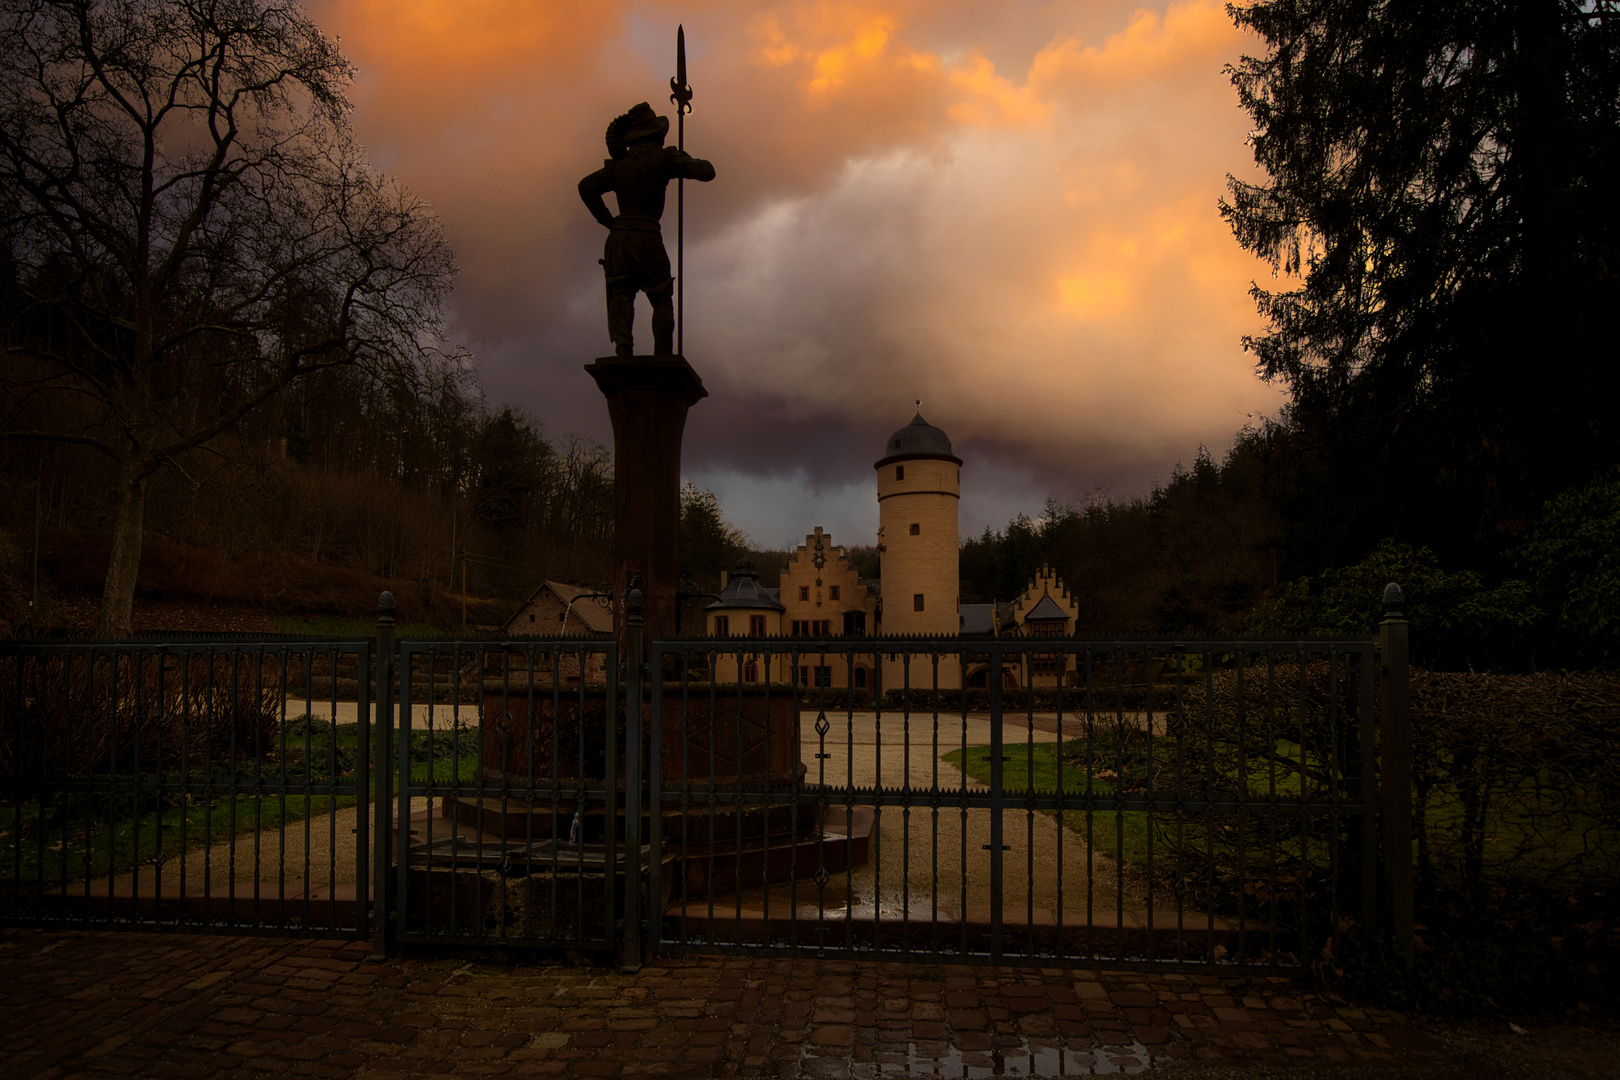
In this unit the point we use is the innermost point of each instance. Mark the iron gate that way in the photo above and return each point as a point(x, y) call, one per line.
point(509, 821)
point(1102, 802)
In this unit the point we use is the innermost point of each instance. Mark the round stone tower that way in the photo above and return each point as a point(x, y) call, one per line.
point(919, 484)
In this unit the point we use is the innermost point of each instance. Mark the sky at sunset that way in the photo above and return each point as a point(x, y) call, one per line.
point(1006, 209)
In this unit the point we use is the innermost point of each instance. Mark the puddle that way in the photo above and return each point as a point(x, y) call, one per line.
point(1025, 1060)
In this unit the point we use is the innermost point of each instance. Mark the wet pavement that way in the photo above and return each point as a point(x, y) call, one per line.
point(105, 1004)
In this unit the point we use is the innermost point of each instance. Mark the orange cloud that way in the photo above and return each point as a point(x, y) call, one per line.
point(990, 99)
point(1008, 213)
point(1151, 49)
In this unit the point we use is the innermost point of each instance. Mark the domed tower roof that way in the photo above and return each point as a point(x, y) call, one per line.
point(743, 590)
point(918, 439)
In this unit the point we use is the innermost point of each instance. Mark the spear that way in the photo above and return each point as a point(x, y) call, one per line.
point(681, 95)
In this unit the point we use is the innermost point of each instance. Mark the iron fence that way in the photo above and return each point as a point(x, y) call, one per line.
point(1052, 801)
point(1119, 802)
point(185, 785)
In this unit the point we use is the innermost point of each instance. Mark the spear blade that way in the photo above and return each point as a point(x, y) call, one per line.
point(679, 92)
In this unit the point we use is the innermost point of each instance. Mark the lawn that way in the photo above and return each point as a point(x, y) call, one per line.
point(1110, 832)
point(1519, 829)
point(337, 626)
point(85, 832)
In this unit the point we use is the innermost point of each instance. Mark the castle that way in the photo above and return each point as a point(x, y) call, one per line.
point(823, 598)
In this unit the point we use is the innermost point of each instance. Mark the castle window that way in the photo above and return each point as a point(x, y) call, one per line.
point(821, 628)
point(756, 626)
point(751, 672)
point(832, 592)
point(722, 626)
point(860, 678)
point(899, 472)
point(916, 602)
point(854, 624)
point(916, 529)
point(821, 676)
point(804, 592)
point(531, 618)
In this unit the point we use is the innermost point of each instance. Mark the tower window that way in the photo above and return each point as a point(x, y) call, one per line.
point(722, 626)
point(756, 627)
point(916, 529)
point(899, 472)
point(916, 602)
point(804, 592)
point(832, 592)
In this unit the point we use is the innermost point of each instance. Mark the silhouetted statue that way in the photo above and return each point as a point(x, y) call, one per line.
point(635, 259)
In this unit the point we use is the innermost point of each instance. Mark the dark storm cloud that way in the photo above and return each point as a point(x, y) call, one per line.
point(1007, 210)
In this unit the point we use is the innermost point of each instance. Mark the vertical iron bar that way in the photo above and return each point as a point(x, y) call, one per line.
point(1210, 818)
point(634, 604)
point(632, 789)
point(362, 785)
point(1243, 812)
point(1119, 794)
point(1396, 779)
point(1367, 792)
point(997, 801)
point(1152, 807)
point(1271, 804)
point(1336, 769)
point(1090, 804)
point(381, 777)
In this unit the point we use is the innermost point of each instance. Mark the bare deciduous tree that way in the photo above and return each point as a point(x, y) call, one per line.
point(188, 229)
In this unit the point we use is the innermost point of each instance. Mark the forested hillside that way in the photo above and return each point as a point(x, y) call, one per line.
point(344, 485)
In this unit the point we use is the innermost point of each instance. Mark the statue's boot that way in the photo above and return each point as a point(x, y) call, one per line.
point(621, 323)
point(663, 324)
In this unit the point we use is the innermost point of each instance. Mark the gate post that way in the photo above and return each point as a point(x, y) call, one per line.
point(1393, 642)
point(634, 607)
point(381, 774)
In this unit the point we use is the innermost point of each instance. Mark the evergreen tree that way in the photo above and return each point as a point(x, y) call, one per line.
point(1440, 180)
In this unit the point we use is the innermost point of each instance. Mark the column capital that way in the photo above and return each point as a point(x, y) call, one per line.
point(669, 375)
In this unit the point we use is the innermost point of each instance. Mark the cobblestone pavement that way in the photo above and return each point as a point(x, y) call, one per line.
point(190, 1006)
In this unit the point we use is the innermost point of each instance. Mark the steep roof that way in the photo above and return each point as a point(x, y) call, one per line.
point(978, 618)
point(586, 616)
point(1046, 609)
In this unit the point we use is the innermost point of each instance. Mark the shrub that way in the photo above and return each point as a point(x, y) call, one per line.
point(96, 711)
point(1516, 826)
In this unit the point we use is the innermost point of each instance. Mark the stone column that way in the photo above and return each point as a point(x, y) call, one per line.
point(647, 399)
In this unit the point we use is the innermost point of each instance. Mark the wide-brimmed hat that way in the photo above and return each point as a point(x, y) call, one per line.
point(641, 124)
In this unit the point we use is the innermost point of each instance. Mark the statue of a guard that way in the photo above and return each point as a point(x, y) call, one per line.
point(635, 260)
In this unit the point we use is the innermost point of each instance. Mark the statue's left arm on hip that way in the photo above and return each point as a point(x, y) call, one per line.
point(591, 190)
